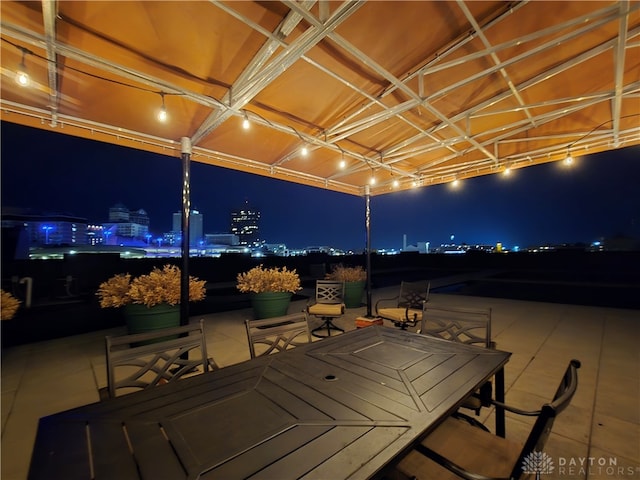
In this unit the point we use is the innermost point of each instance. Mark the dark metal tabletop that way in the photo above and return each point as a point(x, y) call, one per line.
point(340, 408)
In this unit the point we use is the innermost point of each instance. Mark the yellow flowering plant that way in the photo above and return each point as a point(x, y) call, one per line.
point(8, 305)
point(260, 279)
point(341, 273)
point(161, 286)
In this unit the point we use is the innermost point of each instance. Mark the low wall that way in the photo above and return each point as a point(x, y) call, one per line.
point(64, 301)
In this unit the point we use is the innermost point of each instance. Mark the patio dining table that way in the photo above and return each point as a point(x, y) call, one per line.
point(340, 408)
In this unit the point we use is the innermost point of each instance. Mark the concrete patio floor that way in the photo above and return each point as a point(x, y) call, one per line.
point(597, 437)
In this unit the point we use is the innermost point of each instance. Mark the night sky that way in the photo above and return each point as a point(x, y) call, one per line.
point(598, 197)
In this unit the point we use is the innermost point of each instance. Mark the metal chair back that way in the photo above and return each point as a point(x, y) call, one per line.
point(144, 360)
point(273, 335)
point(329, 291)
point(465, 325)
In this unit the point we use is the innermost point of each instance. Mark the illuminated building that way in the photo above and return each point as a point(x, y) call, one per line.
point(245, 224)
point(57, 229)
point(125, 223)
point(196, 227)
point(95, 234)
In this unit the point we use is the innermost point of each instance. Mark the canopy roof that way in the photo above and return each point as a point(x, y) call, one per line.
point(413, 93)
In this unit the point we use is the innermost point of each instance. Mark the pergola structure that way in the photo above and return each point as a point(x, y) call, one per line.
point(409, 93)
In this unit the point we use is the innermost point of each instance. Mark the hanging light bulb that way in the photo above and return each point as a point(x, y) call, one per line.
point(455, 183)
point(305, 151)
point(396, 183)
point(245, 123)
point(506, 172)
point(22, 75)
point(568, 159)
point(162, 113)
point(372, 180)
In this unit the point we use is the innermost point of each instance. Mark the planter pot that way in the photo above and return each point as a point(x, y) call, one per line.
point(270, 304)
point(141, 319)
point(353, 293)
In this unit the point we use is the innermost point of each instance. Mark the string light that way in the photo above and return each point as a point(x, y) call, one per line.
point(568, 159)
point(506, 172)
point(162, 113)
point(304, 151)
point(22, 75)
point(343, 163)
point(245, 123)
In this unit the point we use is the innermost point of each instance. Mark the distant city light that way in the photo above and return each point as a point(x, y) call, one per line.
point(47, 229)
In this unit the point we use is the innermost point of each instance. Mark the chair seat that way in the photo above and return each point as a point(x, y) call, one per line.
point(399, 314)
point(326, 309)
point(465, 445)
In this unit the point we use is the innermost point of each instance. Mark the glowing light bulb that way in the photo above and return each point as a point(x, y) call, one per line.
point(304, 151)
point(162, 114)
point(22, 76)
point(246, 124)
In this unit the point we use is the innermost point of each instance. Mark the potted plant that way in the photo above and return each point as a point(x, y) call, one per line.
point(150, 301)
point(8, 305)
point(269, 289)
point(354, 279)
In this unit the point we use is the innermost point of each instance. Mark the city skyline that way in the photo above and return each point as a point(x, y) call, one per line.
point(595, 198)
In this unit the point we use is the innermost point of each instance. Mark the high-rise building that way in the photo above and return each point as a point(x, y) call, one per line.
point(126, 223)
point(245, 224)
point(119, 213)
point(196, 226)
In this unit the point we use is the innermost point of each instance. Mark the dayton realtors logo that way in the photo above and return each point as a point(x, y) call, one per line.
point(539, 463)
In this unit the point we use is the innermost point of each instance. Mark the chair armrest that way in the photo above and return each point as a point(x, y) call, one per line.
point(411, 321)
point(393, 299)
point(518, 411)
point(451, 466)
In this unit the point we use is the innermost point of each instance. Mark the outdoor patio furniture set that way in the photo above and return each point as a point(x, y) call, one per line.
point(402, 391)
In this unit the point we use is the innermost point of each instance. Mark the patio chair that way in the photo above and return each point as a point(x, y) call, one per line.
point(456, 449)
point(144, 360)
point(328, 305)
point(273, 335)
point(405, 309)
point(465, 325)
